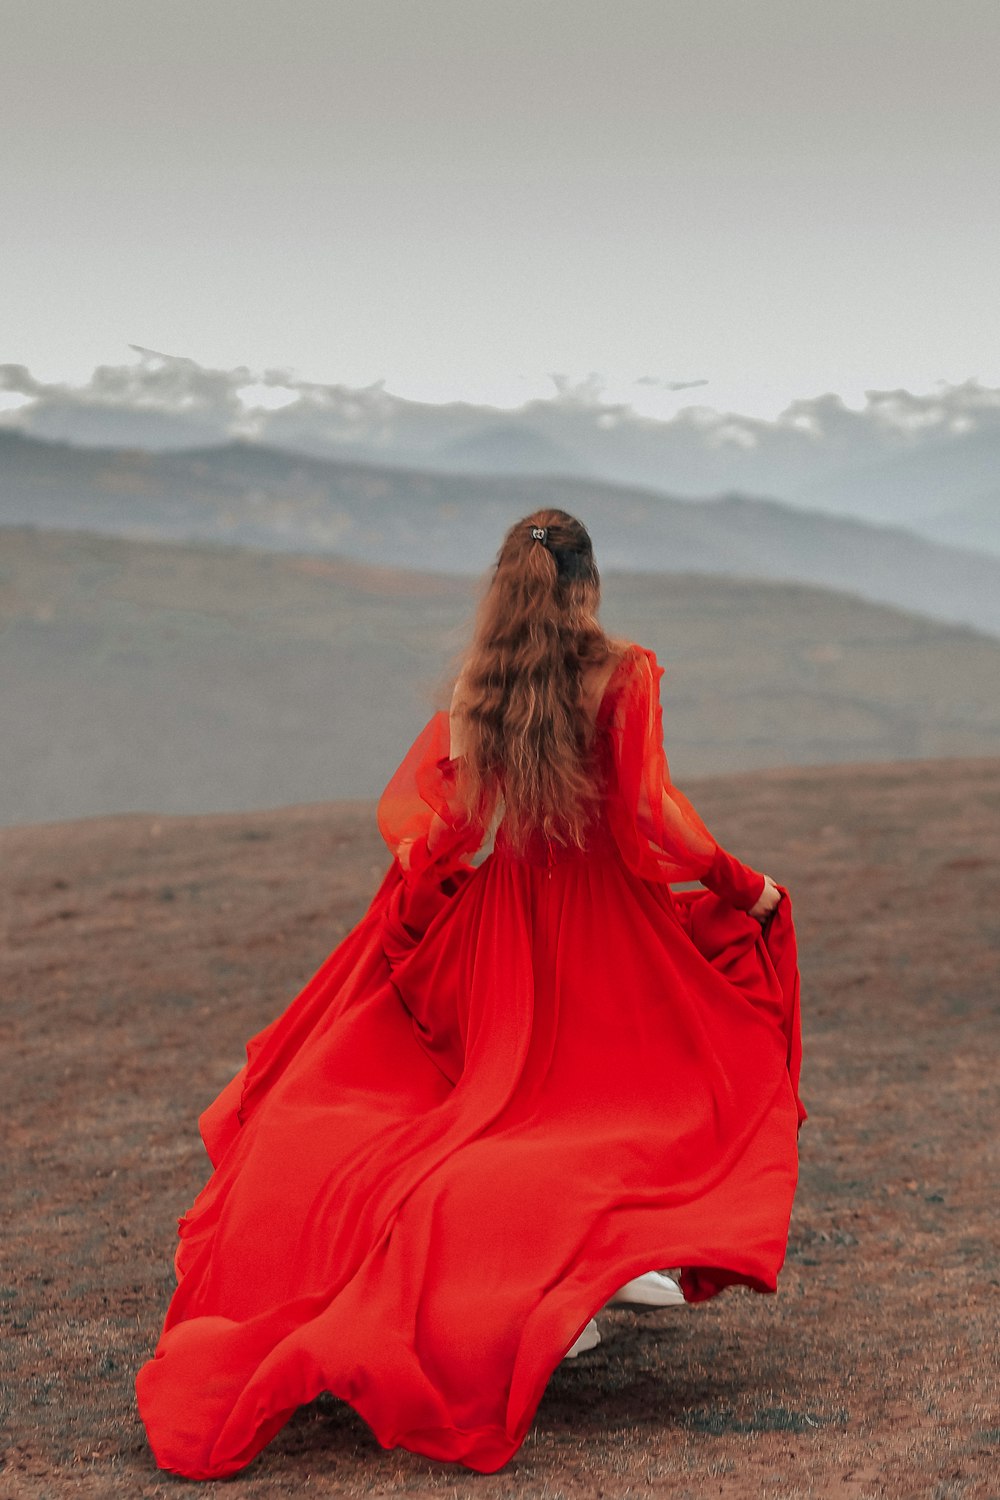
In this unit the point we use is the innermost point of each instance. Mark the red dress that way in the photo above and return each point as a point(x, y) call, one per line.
point(511, 1088)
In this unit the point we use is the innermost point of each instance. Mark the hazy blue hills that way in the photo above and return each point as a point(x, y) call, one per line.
point(508, 448)
point(948, 489)
point(918, 460)
point(246, 494)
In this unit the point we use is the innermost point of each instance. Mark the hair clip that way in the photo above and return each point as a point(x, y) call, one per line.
point(539, 533)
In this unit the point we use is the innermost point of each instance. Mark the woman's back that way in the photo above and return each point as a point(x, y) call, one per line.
point(597, 687)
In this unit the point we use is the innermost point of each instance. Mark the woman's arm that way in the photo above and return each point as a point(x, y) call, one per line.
point(419, 813)
point(661, 834)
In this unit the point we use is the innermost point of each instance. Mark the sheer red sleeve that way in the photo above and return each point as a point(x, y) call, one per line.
point(419, 814)
point(659, 833)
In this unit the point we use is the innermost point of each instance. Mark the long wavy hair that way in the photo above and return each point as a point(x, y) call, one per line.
point(526, 739)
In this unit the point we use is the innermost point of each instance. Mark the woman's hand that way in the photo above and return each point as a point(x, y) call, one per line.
point(766, 901)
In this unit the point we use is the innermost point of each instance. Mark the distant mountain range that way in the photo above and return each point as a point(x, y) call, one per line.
point(930, 462)
point(248, 494)
point(151, 676)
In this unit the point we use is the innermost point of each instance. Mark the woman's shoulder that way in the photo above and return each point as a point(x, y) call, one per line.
point(633, 676)
point(623, 645)
point(632, 659)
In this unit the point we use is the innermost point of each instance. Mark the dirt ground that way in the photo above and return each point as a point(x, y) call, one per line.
point(142, 951)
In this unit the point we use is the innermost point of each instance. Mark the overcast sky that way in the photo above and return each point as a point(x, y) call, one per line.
point(462, 197)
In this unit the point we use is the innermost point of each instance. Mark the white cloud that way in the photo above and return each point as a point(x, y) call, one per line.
point(259, 396)
point(13, 400)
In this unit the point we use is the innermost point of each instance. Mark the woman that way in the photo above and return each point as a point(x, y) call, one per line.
point(515, 1090)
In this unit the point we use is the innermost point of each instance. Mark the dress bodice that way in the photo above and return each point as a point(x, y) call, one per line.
point(540, 850)
point(599, 838)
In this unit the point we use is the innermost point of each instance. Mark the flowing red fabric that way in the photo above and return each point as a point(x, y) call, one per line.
point(510, 1089)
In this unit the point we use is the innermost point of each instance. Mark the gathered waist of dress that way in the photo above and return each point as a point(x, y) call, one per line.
point(540, 850)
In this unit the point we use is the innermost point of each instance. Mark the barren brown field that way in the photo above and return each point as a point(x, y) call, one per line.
point(141, 951)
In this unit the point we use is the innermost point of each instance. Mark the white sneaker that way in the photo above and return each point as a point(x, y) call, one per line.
point(588, 1339)
point(652, 1289)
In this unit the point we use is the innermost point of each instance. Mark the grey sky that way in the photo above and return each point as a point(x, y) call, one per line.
point(778, 197)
